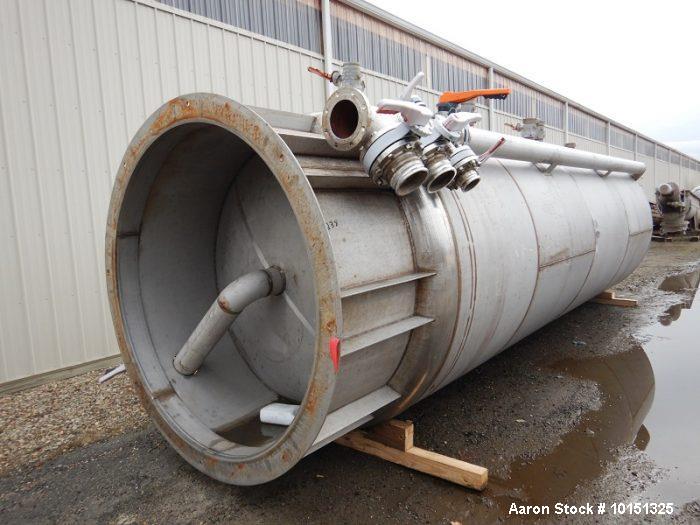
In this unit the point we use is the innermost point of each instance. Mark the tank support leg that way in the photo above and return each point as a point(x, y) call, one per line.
point(393, 441)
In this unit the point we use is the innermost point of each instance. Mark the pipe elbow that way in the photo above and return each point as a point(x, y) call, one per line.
point(249, 288)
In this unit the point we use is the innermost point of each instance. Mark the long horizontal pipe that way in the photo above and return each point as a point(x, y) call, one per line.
point(518, 148)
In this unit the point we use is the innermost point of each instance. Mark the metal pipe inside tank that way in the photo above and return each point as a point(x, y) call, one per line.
point(223, 312)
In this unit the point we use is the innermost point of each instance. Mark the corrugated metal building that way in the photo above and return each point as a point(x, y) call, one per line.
point(80, 76)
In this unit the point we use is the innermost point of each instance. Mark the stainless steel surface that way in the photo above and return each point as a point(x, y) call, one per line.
point(552, 155)
point(223, 312)
point(387, 299)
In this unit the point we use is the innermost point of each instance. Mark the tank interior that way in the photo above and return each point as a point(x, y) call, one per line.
point(202, 209)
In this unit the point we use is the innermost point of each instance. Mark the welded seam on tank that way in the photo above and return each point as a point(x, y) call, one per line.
point(263, 261)
point(570, 257)
point(615, 279)
point(411, 243)
point(537, 241)
point(416, 391)
point(629, 237)
point(595, 250)
point(472, 299)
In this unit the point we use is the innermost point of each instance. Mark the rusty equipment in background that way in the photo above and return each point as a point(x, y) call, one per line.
point(257, 257)
point(530, 128)
point(679, 209)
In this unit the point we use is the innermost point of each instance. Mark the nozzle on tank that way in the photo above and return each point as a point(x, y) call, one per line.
point(440, 170)
point(466, 180)
point(467, 165)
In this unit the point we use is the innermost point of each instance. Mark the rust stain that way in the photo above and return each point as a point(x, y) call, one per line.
point(311, 400)
point(210, 462)
point(225, 113)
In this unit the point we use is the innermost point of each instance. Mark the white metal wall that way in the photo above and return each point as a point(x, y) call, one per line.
point(77, 79)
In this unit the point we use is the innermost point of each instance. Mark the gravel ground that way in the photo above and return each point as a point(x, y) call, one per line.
point(41, 423)
point(514, 412)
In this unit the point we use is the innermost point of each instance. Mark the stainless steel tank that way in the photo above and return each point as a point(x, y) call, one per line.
point(386, 298)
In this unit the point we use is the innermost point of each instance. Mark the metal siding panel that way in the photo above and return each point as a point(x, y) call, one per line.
point(167, 56)
point(587, 144)
point(314, 94)
point(184, 53)
point(200, 52)
point(62, 278)
point(82, 200)
point(648, 180)
point(231, 65)
point(272, 77)
point(258, 55)
point(246, 71)
point(25, 187)
point(147, 39)
point(216, 61)
point(618, 152)
point(16, 338)
point(296, 71)
point(283, 77)
point(96, 174)
point(125, 22)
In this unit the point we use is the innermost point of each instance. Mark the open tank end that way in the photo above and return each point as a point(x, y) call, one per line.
point(207, 193)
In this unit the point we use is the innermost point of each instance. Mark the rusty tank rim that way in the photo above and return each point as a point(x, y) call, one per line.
point(181, 430)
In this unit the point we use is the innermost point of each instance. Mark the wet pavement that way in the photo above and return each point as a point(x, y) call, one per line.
point(651, 400)
point(673, 421)
point(599, 406)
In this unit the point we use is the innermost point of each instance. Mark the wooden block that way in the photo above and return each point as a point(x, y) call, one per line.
point(396, 434)
point(608, 297)
point(432, 463)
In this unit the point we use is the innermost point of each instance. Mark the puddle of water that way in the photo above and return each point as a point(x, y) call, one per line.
point(674, 419)
point(685, 282)
point(627, 380)
point(651, 398)
point(252, 433)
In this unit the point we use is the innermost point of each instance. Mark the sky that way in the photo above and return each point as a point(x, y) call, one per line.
point(635, 62)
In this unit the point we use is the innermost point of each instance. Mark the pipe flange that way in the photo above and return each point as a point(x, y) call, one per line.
point(462, 156)
point(346, 118)
point(400, 167)
point(383, 142)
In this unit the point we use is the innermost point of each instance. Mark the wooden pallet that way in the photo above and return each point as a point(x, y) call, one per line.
point(688, 237)
point(609, 297)
point(393, 441)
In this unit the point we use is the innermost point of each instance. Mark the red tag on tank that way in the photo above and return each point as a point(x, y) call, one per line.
point(335, 352)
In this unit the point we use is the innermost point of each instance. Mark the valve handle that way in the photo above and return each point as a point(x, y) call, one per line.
point(457, 97)
point(412, 113)
point(458, 121)
point(322, 74)
point(489, 152)
point(406, 95)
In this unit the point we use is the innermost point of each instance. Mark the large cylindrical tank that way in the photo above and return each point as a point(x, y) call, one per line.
point(387, 298)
